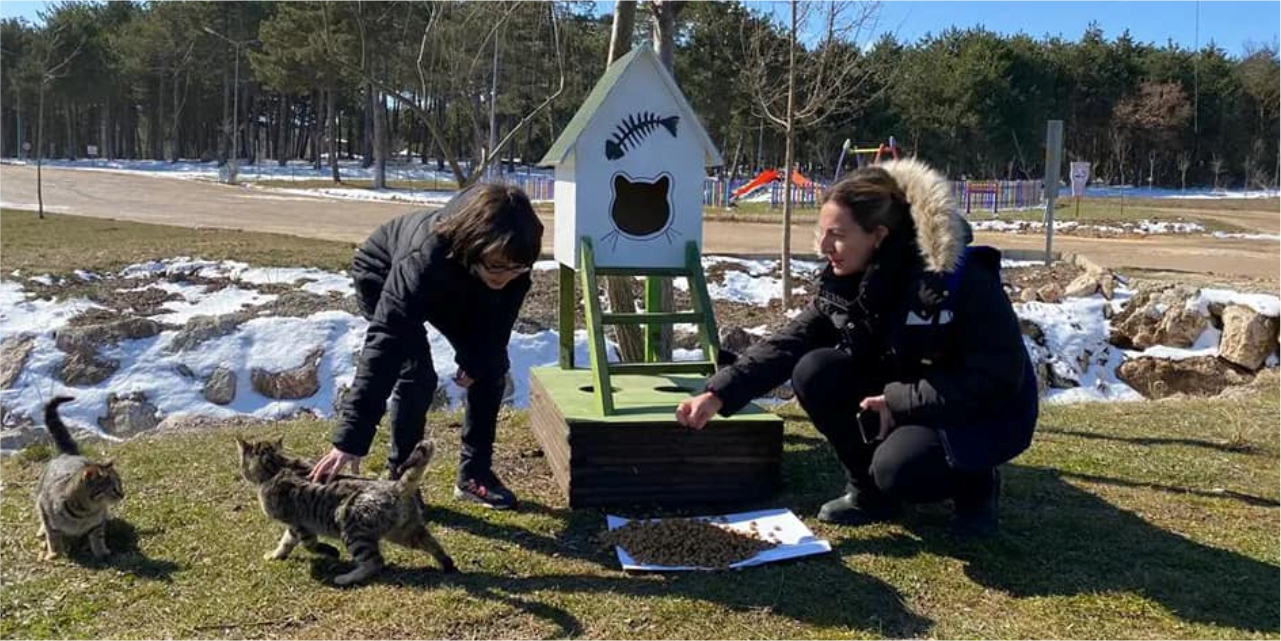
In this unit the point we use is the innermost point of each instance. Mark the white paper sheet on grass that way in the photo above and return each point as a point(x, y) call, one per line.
point(795, 540)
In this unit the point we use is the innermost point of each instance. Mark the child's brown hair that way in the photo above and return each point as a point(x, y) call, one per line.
point(493, 221)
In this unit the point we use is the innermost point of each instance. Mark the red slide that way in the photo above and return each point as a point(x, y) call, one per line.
point(766, 177)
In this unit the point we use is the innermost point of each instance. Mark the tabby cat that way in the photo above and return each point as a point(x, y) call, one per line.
point(357, 511)
point(74, 492)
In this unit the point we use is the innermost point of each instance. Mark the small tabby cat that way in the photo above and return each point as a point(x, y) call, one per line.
point(357, 511)
point(74, 493)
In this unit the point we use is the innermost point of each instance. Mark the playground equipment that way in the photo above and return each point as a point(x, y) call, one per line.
point(630, 169)
point(861, 154)
point(765, 179)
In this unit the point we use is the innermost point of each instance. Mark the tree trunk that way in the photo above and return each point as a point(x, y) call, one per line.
point(318, 123)
point(282, 130)
point(40, 153)
point(789, 131)
point(665, 45)
point(618, 289)
point(331, 119)
point(380, 139)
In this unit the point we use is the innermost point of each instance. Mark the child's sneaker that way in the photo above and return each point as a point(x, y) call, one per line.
point(489, 492)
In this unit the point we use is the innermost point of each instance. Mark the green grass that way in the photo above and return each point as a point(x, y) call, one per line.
point(1146, 520)
point(1110, 211)
point(60, 244)
point(320, 183)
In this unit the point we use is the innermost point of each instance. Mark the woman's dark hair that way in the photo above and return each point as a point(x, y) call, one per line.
point(493, 220)
point(873, 198)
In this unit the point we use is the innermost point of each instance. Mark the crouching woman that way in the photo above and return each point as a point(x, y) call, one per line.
point(909, 359)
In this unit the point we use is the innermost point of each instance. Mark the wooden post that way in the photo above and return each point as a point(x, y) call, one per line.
point(565, 317)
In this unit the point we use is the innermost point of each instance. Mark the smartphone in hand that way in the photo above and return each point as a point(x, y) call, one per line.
point(869, 425)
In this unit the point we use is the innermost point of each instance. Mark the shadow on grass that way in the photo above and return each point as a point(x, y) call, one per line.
point(122, 540)
point(1190, 442)
point(1058, 540)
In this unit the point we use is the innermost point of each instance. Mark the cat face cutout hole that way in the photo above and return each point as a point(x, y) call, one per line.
point(640, 209)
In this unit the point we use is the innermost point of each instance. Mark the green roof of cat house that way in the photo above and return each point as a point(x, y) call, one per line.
point(630, 168)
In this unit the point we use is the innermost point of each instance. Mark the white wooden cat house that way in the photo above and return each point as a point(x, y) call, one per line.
point(630, 168)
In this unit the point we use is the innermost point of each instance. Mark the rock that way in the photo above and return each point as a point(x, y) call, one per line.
point(202, 328)
point(1199, 376)
point(17, 438)
point(84, 368)
point(1028, 295)
point(686, 340)
point(1216, 314)
point(220, 389)
point(1158, 314)
point(1033, 331)
point(129, 414)
point(439, 400)
point(1042, 378)
point(340, 400)
point(509, 389)
point(1180, 327)
point(1086, 284)
point(1107, 285)
point(291, 384)
point(1248, 337)
point(737, 339)
point(1050, 293)
point(90, 337)
point(13, 357)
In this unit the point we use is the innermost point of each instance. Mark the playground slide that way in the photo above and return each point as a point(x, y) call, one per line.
point(767, 177)
point(764, 178)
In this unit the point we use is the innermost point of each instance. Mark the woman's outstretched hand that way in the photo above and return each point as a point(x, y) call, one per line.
point(697, 411)
point(331, 464)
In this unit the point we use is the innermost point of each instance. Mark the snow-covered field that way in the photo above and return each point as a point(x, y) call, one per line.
point(1075, 345)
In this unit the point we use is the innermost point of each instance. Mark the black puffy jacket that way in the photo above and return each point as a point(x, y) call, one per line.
point(404, 268)
point(956, 363)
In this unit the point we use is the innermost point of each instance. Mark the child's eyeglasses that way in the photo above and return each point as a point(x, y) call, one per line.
point(504, 270)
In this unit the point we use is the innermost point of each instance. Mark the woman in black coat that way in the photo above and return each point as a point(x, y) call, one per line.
point(909, 360)
point(465, 270)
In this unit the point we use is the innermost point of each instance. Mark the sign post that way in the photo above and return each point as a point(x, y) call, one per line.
point(1053, 159)
point(1080, 178)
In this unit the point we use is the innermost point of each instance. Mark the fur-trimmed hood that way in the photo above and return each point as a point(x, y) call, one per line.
point(940, 231)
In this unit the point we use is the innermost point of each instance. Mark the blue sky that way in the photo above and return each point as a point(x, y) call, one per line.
point(1230, 24)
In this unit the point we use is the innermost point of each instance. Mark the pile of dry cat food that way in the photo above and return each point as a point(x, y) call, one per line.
point(687, 542)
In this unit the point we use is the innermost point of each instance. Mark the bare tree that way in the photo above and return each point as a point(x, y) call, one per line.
point(449, 69)
point(47, 68)
point(830, 76)
point(1216, 166)
point(1185, 161)
point(620, 291)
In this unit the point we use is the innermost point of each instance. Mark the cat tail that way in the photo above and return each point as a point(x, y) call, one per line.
point(57, 429)
point(411, 471)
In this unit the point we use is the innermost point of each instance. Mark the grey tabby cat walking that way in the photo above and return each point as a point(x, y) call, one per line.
point(74, 493)
point(357, 511)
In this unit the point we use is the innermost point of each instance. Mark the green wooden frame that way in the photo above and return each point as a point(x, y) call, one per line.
point(652, 319)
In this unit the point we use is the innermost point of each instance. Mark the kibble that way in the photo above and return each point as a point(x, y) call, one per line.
point(687, 542)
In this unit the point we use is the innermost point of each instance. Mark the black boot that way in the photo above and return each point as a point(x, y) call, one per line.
point(860, 506)
point(977, 508)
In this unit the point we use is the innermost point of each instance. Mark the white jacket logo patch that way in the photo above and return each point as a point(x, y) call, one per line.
point(945, 317)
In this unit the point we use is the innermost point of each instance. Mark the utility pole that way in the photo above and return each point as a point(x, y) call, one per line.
point(235, 98)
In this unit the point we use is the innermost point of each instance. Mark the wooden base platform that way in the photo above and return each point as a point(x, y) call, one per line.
point(640, 455)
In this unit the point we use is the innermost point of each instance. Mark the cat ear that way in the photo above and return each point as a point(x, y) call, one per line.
point(619, 181)
point(662, 182)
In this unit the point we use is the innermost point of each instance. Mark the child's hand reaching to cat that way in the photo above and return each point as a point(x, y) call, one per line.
point(331, 464)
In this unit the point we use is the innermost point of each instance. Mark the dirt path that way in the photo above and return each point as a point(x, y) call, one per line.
point(194, 203)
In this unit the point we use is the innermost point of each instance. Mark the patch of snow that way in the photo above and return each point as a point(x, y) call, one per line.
point(19, 315)
point(1076, 349)
point(1266, 304)
point(43, 279)
point(223, 301)
point(1223, 234)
